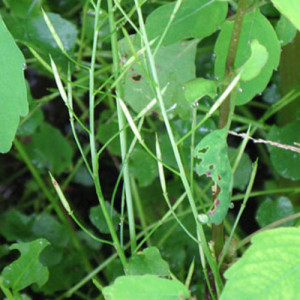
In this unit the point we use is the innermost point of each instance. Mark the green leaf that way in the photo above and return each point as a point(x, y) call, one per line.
point(149, 261)
point(290, 9)
point(243, 171)
point(27, 269)
point(33, 120)
point(268, 270)
point(24, 8)
point(34, 33)
point(270, 211)
point(83, 177)
point(64, 274)
point(97, 218)
point(142, 166)
point(285, 162)
point(256, 62)
point(48, 227)
point(255, 27)
point(147, 287)
point(285, 31)
point(175, 65)
point(198, 88)
point(15, 226)
point(13, 95)
point(48, 149)
point(214, 163)
point(194, 19)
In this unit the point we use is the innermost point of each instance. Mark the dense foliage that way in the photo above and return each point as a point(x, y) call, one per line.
point(145, 145)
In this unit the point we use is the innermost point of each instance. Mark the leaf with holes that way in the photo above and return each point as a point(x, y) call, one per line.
point(175, 65)
point(13, 94)
point(27, 269)
point(268, 270)
point(255, 27)
point(214, 163)
point(147, 287)
point(194, 19)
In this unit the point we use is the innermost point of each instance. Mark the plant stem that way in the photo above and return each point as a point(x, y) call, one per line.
point(62, 216)
point(122, 123)
point(217, 230)
point(203, 246)
point(95, 166)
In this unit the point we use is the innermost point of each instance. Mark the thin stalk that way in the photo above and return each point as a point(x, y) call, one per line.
point(139, 207)
point(122, 123)
point(64, 219)
point(242, 208)
point(291, 190)
point(95, 166)
point(203, 247)
point(224, 116)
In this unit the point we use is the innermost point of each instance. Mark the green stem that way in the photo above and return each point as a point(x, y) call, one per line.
point(217, 230)
point(203, 246)
point(122, 123)
point(95, 166)
point(64, 219)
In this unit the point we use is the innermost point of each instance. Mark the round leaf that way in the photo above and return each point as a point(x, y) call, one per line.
point(175, 65)
point(270, 211)
point(285, 162)
point(194, 18)
point(97, 218)
point(255, 27)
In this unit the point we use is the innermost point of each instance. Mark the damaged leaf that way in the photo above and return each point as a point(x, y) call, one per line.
point(214, 163)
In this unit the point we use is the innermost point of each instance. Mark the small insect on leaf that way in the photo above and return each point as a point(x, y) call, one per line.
point(214, 163)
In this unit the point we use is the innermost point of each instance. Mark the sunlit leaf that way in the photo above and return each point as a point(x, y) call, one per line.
point(13, 94)
point(198, 88)
point(194, 18)
point(213, 162)
point(147, 287)
point(255, 63)
point(27, 269)
point(268, 270)
point(290, 9)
